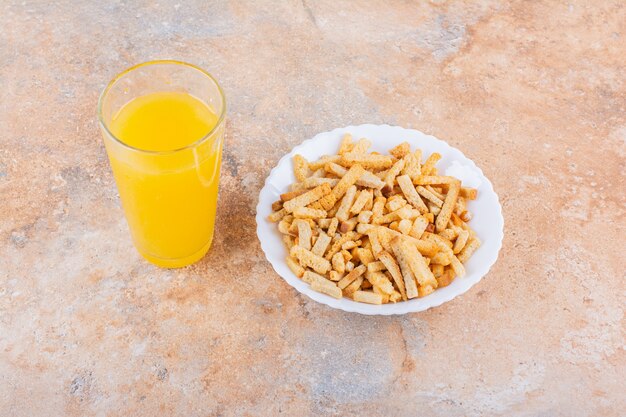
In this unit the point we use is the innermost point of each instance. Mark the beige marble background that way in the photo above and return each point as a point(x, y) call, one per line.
point(533, 91)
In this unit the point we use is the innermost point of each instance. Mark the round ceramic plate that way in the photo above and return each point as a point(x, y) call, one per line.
point(487, 218)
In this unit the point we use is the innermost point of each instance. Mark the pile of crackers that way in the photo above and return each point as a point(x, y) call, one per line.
point(375, 228)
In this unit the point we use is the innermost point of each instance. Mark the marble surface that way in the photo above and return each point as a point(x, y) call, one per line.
point(534, 92)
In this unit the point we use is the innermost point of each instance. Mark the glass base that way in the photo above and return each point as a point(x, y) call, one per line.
point(177, 262)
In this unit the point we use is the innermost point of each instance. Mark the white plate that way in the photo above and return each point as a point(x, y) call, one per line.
point(487, 221)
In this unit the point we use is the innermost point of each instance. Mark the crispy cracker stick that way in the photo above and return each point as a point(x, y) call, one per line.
point(364, 255)
point(307, 198)
point(323, 223)
point(437, 270)
point(395, 202)
point(461, 206)
point(433, 208)
point(404, 226)
point(308, 213)
point(430, 163)
point(348, 225)
point(336, 247)
point(333, 211)
point(364, 228)
point(300, 167)
point(457, 266)
point(335, 169)
point(347, 181)
point(380, 292)
point(291, 195)
point(426, 248)
point(364, 216)
point(353, 275)
point(469, 249)
point(418, 265)
point(441, 242)
point(435, 192)
point(277, 205)
point(395, 297)
point(295, 267)
point(313, 182)
point(445, 278)
point(401, 150)
point(350, 289)
point(458, 222)
point(448, 234)
point(349, 266)
point(385, 235)
point(429, 196)
point(288, 241)
point(394, 271)
point(418, 228)
point(351, 244)
point(309, 259)
point(408, 189)
point(361, 200)
point(284, 227)
point(401, 213)
point(321, 244)
point(460, 241)
point(318, 173)
point(346, 202)
point(315, 205)
point(293, 229)
point(339, 263)
point(376, 266)
point(367, 297)
point(412, 165)
point(466, 216)
point(304, 233)
point(332, 228)
point(369, 203)
point(333, 290)
point(380, 280)
point(310, 277)
point(346, 144)
point(393, 172)
point(373, 238)
point(335, 276)
point(382, 174)
point(423, 291)
point(442, 258)
point(379, 206)
point(403, 260)
point(434, 180)
point(361, 146)
point(277, 215)
point(375, 162)
point(370, 180)
point(342, 187)
point(320, 163)
point(469, 193)
point(448, 207)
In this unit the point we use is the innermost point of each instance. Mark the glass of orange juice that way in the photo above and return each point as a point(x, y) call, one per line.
point(163, 128)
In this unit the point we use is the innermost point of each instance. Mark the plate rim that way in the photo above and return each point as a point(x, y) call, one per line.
point(367, 309)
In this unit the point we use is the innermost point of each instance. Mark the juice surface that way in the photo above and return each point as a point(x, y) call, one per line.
point(169, 199)
point(163, 121)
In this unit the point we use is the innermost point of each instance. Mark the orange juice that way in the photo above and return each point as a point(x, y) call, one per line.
point(169, 193)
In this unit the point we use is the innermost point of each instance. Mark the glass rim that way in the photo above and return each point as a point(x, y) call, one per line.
point(115, 79)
